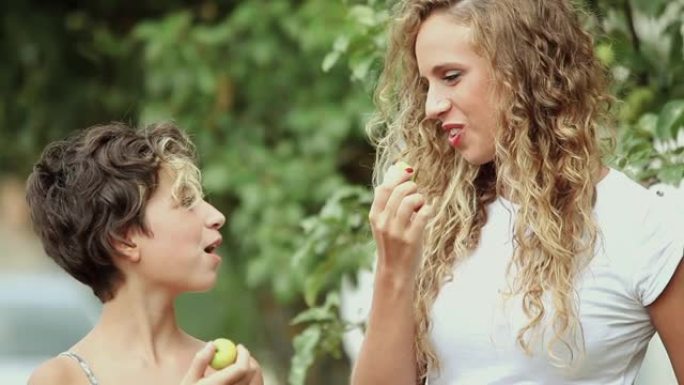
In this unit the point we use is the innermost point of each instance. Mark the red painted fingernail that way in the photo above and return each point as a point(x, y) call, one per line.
point(408, 170)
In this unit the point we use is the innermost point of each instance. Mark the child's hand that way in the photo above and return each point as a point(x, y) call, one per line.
point(245, 370)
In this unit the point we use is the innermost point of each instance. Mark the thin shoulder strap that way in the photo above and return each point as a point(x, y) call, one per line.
point(84, 365)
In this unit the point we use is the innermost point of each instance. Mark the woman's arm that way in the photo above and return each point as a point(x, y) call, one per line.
point(387, 355)
point(667, 313)
point(398, 218)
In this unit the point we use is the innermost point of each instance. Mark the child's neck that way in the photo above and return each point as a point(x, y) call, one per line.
point(141, 323)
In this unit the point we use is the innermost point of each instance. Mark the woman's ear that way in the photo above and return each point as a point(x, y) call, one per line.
point(126, 246)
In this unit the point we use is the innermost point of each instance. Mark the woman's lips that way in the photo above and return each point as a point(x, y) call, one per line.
point(454, 133)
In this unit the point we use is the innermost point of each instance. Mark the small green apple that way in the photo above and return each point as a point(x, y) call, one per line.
point(403, 166)
point(225, 354)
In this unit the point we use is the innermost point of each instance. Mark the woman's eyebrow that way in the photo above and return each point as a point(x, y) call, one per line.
point(439, 68)
point(444, 66)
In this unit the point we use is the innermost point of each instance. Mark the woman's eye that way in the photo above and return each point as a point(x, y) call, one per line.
point(452, 76)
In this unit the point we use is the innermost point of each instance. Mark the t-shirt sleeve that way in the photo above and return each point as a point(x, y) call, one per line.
point(660, 251)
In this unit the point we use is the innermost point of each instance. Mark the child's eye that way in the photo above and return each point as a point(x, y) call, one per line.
point(187, 201)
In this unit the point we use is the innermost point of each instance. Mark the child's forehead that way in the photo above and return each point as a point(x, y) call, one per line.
point(177, 177)
point(168, 179)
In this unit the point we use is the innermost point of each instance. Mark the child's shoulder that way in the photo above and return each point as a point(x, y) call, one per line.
point(58, 370)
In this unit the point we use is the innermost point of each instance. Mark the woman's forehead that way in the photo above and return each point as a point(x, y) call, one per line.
point(440, 39)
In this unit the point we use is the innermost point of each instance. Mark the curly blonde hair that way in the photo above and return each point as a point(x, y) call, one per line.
point(548, 154)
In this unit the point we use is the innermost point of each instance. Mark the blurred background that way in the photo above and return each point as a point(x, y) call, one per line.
point(275, 94)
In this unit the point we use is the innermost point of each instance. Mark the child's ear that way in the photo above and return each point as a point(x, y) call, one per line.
point(126, 246)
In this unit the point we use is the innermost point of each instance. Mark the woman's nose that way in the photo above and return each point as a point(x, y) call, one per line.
point(436, 106)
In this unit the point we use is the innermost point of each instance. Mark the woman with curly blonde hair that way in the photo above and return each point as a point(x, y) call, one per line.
point(507, 252)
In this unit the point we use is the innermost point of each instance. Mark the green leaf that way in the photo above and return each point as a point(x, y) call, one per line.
point(305, 351)
point(314, 315)
point(327, 312)
point(313, 284)
point(363, 15)
point(216, 178)
point(361, 67)
point(651, 7)
point(329, 60)
point(639, 100)
point(649, 123)
point(341, 44)
point(676, 31)
point(672, 174)
point(670, 120)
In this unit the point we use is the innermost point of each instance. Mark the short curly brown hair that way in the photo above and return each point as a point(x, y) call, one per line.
point(87, 191)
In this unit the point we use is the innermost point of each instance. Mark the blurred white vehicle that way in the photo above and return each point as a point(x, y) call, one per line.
point(41, 315)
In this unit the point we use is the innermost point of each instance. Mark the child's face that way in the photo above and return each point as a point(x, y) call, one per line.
point(175, 254)
point(459, 92)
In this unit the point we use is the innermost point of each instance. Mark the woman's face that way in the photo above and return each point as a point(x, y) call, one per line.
point(460, 95)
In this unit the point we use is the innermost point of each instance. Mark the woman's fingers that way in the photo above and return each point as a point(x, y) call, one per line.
point(408, 206)
point(398, 217)
point(419, 222)
point(396, 198)
point(394, 177)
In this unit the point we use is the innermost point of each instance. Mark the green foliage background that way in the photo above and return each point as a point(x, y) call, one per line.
point(275, 94)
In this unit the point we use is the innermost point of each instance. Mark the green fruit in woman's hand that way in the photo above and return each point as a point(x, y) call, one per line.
point(404, 166)
point(225, 354)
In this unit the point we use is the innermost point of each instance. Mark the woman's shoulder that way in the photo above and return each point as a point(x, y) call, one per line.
point(634, 215)
point(619, 194)
point(641, 234)
point(618, 184)
point(57, 370)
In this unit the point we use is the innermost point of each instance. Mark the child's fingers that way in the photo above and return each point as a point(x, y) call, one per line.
point(199, 364)
point(257, 378)
point(239, 373)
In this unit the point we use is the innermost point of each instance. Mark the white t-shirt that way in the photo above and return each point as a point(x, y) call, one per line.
point(474, 330)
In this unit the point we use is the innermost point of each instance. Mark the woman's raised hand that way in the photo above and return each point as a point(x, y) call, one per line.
point(398, 217)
